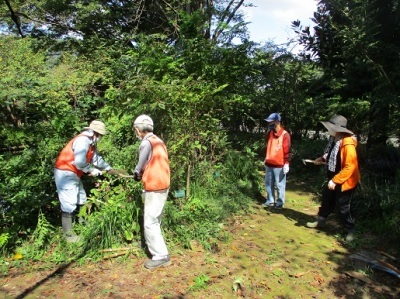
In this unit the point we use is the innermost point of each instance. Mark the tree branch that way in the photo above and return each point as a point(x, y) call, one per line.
point(228, 14)
point(14, 17)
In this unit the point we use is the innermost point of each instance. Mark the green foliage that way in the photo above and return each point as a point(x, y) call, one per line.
point(353, 42)
point(41, 235)
point(4, 239)
point(200, 282)
point(37, 244)
point(111, 215)
point(46, 100)
point(213, 200)
point(377, 207)
point(308, 149)
point(208, 98)
point(39, 240)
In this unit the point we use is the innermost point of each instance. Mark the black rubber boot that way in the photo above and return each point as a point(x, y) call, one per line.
point(66, 222)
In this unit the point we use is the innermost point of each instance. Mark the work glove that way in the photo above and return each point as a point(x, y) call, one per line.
point(136, 177)
point(285, 168)
point(95, 172)
point(331, 185)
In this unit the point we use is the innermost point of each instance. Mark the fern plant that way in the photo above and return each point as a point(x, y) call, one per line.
point(4, 239)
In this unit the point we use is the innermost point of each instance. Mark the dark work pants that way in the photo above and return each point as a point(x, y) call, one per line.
point(343, 199)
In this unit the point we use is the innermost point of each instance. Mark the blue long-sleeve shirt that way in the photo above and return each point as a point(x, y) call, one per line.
point(80, 148)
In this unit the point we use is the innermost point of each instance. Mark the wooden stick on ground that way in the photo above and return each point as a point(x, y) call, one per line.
point(113, 255)
point(118, 249)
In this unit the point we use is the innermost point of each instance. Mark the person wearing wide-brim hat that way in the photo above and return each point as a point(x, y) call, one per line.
point(343, 174)
point(78, 157)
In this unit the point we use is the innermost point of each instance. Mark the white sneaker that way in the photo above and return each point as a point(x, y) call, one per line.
point(72, 238)
point(317, 224)
point(350, 237)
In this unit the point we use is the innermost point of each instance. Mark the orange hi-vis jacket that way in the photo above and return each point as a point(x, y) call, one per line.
point(278, 148)
point(156, 175)
point(349, 175)
point(65, 160)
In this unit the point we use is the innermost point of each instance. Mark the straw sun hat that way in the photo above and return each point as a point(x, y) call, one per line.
point(337, 124)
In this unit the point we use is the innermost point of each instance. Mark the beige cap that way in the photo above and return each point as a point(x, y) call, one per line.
point(98, 127)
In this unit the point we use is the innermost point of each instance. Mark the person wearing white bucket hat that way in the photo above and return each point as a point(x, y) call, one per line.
point(343, 174)
point(154, 172)
point(79, 156)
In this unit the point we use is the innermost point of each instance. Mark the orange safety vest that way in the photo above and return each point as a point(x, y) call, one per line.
point(65, 160)
point(274, 152)
point(156, 175)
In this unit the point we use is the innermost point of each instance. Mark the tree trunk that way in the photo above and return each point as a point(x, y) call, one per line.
point(378, 120)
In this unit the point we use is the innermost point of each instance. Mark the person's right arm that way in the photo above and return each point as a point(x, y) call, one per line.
point(144, 157)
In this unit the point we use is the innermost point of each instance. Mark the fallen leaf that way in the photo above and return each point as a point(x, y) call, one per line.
point(235, 248)
point(319, 279)
point(17, 256)
point(300, 274)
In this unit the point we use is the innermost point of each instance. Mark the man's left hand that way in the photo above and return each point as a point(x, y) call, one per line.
point(331, 185)
point(136, 177)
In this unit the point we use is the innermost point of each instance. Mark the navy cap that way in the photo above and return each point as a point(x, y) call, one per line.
point(273, 117)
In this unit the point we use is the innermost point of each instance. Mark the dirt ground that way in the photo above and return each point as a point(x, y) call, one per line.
point(269, 254)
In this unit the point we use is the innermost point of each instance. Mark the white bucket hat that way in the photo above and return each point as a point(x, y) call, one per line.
point(337, 124)
point(97, 126)
point(143, 120)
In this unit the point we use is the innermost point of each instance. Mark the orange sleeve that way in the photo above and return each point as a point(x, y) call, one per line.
point(349, 164)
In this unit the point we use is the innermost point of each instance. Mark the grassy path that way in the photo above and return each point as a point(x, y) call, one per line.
point(269, 254)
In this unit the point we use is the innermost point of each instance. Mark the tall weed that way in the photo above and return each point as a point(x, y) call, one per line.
point(377, 206)
point(216, 194)
point(111, 215)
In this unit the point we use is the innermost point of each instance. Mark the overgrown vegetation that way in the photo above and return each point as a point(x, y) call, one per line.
point(208, 97)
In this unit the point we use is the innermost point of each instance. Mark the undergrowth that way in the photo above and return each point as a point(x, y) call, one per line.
point(111, 217)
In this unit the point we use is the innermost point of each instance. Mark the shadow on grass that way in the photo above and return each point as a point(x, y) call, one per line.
point(59, 271)
point(352, 280)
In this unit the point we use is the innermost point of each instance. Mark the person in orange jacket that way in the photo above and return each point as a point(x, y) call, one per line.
point(343, 174)
point(153, 170)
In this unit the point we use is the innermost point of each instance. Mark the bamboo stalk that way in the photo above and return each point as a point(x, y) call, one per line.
point(188, 181)
point(118, 249)
point(113, 255)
